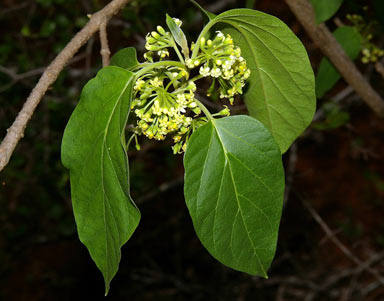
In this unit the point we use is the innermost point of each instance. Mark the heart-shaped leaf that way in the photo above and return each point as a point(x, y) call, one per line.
point(234, 185)
point(281, 92)
point(93, 151)
point(125, 58)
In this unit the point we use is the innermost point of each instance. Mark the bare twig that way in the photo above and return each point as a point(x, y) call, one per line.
point(16, 131)
point(88, 56)
point(7, 11)
point(327, 43)
point(370, 288)
point(340, 245)
point(338, 22)
point(15, 78)
point(105, 52)
point(21, 76)
point(380, 68)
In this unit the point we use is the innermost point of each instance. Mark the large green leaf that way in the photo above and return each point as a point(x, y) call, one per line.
point(325, 9)
point(281, 92)
point(125, 58)
point(93, 151)
point(327, 75)
point(234, 185)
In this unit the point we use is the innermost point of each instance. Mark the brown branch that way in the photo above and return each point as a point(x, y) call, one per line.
point(380, 68)
point(327, 43)
point(105, 53)
point(16, 131)
point(331, 235)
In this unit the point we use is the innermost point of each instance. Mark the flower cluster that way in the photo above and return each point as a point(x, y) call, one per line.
point(370, 52)
point(161, 100)
point(158, 41)
point(221, 60)
point(164, 95)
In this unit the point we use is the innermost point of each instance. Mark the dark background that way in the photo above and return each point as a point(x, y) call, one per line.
point(338, 172)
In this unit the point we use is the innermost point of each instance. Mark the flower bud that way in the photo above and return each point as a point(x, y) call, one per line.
point(155, 35)
point(196, 110)
point(224, 112)
point(151, 40)
point(178, 22)
point(160, 30)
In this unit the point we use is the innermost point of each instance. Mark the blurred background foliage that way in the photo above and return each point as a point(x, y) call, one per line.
point(336, 166)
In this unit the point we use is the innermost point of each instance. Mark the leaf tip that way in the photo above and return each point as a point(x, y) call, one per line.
point(106, 288)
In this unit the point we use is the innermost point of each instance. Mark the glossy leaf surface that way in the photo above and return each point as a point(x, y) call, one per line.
point(234, 185)
point(125, 58)
point(281, 91)
point(93, 151)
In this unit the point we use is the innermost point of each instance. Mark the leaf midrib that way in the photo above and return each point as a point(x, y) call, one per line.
point(102, 173)
point(227, 161)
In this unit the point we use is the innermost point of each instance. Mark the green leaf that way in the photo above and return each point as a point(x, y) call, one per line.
point(234, 186)
point(281, 91)
point(178, 35)
point(93, 151)
point(327, 75)
point(334, 117)
point(125, 58)
point(325, 9)
point(208, 14)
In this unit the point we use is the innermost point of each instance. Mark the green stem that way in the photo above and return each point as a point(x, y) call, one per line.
point(204, 109)
point(197, 77)
point(139, 66)
point(170, 83)
point(202, 34)
point(178, 53)
point(129, 142)
point(159, 64)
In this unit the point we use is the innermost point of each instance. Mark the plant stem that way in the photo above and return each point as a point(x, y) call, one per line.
point(129, 142)
point(202, 34)
point(141, 65)
point(204, 109)
point(159, 64)
point(178, 53)
point(197, 77)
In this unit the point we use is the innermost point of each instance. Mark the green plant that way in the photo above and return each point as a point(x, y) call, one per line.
point(325, 9)
point(234, 178)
